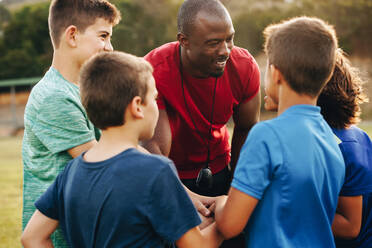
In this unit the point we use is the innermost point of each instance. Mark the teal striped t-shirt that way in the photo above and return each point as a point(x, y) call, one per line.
point(55, 121)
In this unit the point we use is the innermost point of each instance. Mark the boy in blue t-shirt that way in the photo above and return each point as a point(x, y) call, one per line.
point(290, 171)
point(113, 195)
point(339, 102)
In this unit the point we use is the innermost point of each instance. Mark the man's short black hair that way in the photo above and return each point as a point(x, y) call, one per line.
point(190, 8)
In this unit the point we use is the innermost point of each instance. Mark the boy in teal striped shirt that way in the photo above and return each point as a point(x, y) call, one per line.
point(57, 128)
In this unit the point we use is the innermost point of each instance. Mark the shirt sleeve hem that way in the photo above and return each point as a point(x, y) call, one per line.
point(181, 231)
point(73, 143)
point(356, 191)
point(44, 211)
point(246, 189)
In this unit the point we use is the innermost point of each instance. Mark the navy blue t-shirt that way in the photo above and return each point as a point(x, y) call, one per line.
point(130, 200)
point(356, 148)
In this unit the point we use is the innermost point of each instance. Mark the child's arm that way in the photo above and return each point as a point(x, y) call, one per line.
point(77, 150)
point(348, 217)
point(38, 230)
point(206, 221)
point(232, 213)
point(208, 237)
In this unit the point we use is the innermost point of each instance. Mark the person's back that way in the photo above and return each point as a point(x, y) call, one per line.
point(290, 171)
point(120, 202)
point(340, 102)
point(114, 195)
point(306, 173)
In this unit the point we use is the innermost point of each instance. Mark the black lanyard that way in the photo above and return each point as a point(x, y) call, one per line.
point(188, 110)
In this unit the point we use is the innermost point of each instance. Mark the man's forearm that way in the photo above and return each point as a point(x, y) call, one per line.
point(237, 142)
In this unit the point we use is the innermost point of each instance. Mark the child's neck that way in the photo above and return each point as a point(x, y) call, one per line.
point(289, 98)
point(113, 141)
point(68, 69)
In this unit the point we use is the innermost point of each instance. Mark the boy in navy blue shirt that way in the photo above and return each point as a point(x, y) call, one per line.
point(339, 102)
point(290, 170)
point(113, 195)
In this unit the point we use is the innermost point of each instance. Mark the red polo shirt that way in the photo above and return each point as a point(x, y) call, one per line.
point(239, 83)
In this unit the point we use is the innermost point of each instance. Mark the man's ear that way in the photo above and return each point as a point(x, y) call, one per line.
point(71, 35)
point(183, 40)
point(276, 75)
point(136, 108)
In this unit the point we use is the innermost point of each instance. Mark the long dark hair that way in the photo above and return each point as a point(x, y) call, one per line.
point(341, 97)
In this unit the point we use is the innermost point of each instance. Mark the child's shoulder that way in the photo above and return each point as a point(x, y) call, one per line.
point(54, 86)
point(144, 166)
point(148, 161)
point(353, 134)
point(264, 130)
point(268, 125)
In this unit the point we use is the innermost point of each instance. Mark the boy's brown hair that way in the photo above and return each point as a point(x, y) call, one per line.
point(303, 50)
point(80, 13)
point(108, 83)
point(342, 95)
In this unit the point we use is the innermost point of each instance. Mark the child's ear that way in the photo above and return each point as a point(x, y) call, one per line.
point(136, 108)
point(70, 35)
point(276, 75)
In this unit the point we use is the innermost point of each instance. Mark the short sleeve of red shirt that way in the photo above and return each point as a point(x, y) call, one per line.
point(156, 59)
point(246, 74)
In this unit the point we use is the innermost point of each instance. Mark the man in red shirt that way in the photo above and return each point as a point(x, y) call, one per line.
point(202, 81)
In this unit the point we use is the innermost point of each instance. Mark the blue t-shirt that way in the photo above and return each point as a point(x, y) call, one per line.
point(130, 200)
point(356, 148)
point(293, 165)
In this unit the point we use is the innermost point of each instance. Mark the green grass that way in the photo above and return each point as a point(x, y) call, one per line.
point(11, 189)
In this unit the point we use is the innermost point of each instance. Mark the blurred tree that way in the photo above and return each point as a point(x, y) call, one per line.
point(351, 18)
point(26, 50)
point(4, 16)
point(144, 26)
point(25, 46)
point(249, 27)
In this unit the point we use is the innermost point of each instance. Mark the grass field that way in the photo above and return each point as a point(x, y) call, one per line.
point(11, 189)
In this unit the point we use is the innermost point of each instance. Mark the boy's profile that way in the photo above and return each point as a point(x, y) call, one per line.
point(113, 195)
point(290, 170)
point(340, 105)
point(56, 125)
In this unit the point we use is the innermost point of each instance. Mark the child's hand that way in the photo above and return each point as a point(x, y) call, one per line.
point(206, 221)
point(203, 204)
